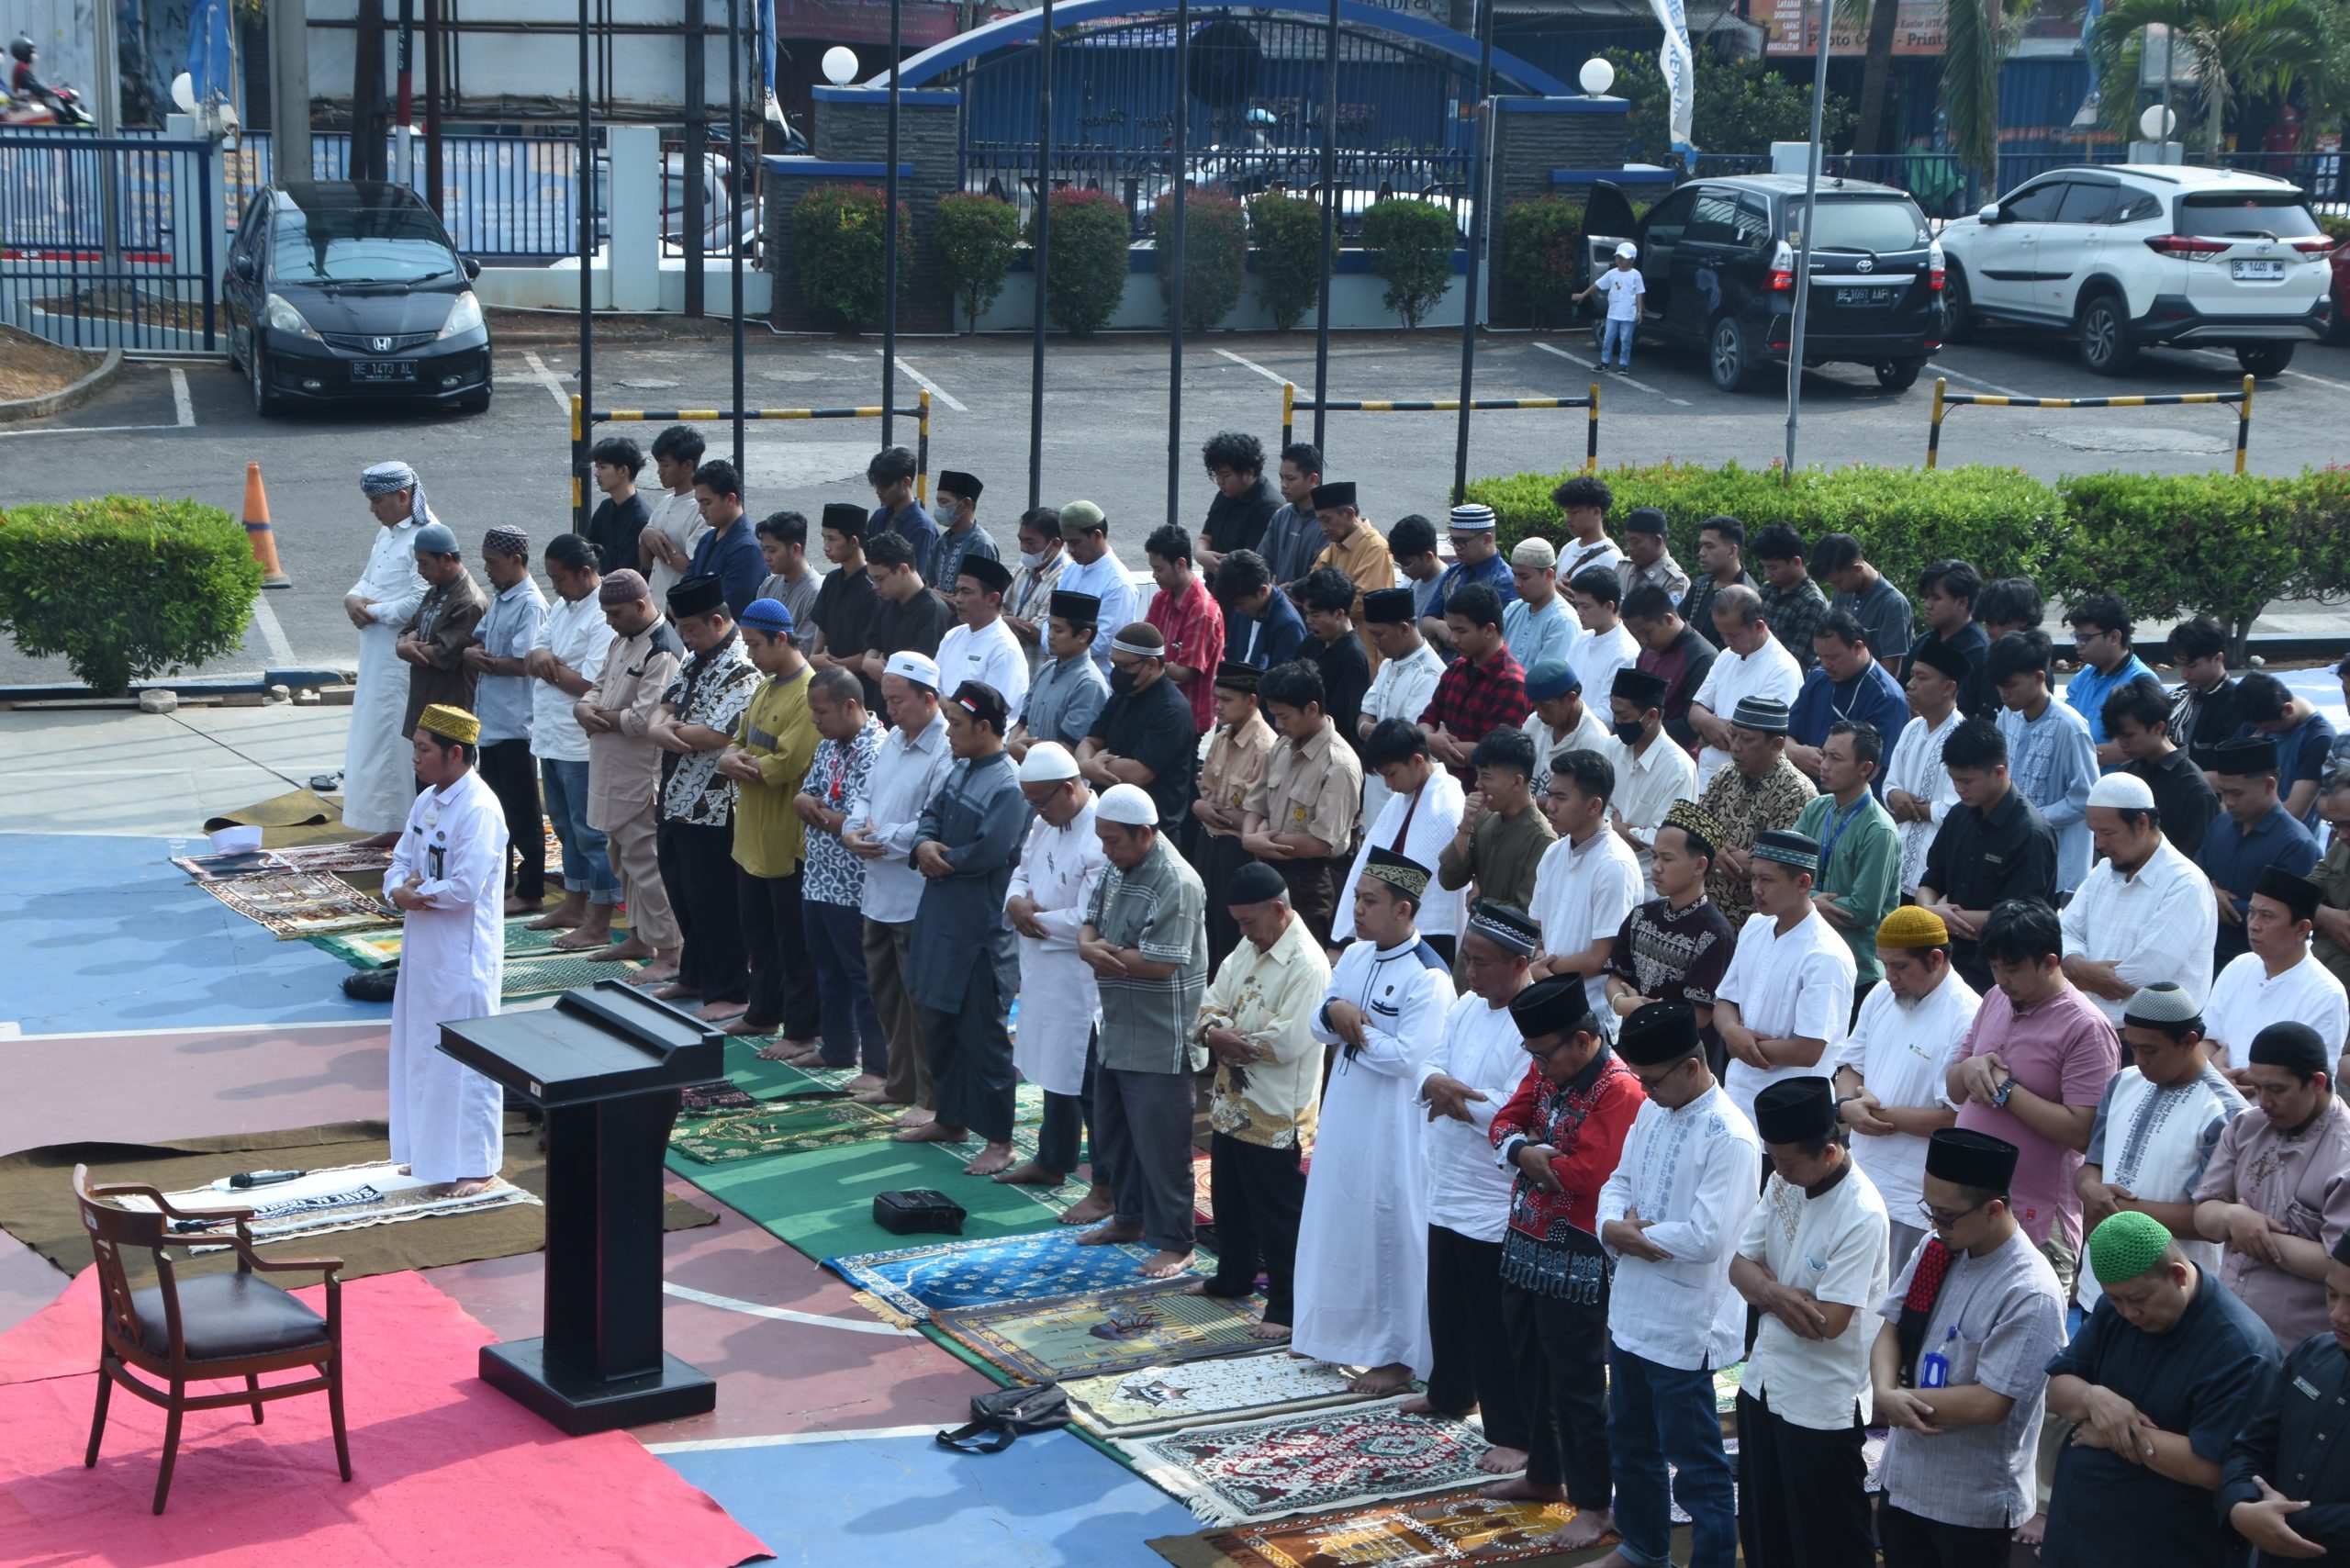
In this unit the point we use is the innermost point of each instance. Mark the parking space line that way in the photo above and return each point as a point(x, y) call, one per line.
point(184, 405)
point(1247, 363)
point(927, 385)
point(550, 380)
point(2229, 360)
point(273, 636)
point(1652, 391)
point(1978, 381)
point(182, 417)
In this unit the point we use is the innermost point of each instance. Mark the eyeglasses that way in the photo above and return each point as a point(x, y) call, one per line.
point(1943, 1219)
point(1652, 1082)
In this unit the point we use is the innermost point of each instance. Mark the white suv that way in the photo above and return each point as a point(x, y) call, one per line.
point(2136, 254)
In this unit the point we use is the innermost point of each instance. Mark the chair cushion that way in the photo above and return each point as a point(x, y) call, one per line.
point(224, 1315)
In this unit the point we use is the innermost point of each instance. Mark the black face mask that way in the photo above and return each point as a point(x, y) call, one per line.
point(1630, 734)
point(1122, 681)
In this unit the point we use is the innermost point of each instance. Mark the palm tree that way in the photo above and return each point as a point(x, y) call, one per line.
point(1877, 22)
point(2240, 51)
point(1976, 37)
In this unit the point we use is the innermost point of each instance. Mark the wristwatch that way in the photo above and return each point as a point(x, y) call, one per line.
point(2007, 1087)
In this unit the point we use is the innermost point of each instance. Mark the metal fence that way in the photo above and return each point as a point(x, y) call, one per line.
point(502, 197)
point(107, 243)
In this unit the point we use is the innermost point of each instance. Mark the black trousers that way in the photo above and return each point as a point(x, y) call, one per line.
point(512, 775)
point(1219, 857)
point(1312, 892)
point(775, 942)
point(1472, 1369)
point(1802, 1495)
point(1068, 1123)
point(1560, 1350)
point(698, 869)
point(1908, 1540)
point(1142, 1121)
point(1257, 1194)
point(969, 1053)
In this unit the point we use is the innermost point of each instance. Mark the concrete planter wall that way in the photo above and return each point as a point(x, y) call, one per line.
point(1356, 299)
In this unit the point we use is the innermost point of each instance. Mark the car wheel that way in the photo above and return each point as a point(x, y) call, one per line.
point(2105, 347)
point(265, 402)
point(1728, 356)
point(2264, 360)
point(1898, 375)
point(1958, 308)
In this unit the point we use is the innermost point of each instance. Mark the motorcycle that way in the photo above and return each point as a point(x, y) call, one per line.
point(57, 106)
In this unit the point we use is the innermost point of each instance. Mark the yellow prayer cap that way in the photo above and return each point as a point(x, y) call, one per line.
point(451, 724)
point(1911, 927)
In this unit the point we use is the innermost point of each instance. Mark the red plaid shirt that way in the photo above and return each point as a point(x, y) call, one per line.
point(1193, 627)
point(1474, 700)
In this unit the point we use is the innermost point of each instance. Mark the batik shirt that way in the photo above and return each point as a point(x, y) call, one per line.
point(711, 690)
point(830, 874)
point(1748, 808)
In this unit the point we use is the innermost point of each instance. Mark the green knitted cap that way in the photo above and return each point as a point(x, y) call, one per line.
point(2126, 1245)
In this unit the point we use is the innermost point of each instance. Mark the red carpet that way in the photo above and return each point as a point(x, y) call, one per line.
point(445, 1470)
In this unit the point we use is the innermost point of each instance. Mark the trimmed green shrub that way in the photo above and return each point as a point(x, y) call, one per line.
point(837, 243)
point(124, 587)
point(1411, 243)
point(2217, 544)
point(2004, 521)
point(1542, 254)
point(1215, 255)
point(1085, 276)
point(977, 237)
point(1288, 234)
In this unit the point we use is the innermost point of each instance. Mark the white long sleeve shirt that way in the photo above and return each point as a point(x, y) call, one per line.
point(2157, 923)
point(1468, 1192)
point(907, 771)
point(1425, 824)
point(1915, 768)
point(1694, 1174)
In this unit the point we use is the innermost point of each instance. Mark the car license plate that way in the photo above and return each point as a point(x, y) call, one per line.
point(2256, 270)
point(1866, 296)
point(382, 370)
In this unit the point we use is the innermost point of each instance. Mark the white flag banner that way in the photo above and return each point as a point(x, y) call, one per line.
point(1678, 62)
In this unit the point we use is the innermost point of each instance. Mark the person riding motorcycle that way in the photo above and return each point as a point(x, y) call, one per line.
point(27, 88)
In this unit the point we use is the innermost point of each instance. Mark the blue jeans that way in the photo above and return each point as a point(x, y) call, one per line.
point(835, 938)
point(1659, 1415)
point(1617, 341)
point(585, 866)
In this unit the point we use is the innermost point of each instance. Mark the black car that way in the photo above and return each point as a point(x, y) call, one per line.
point(350, 288)
point(1717, 257)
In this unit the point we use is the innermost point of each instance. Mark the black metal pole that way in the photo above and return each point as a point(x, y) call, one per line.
point(1329, 223)
point(734, 201)
point(586, 192)
point(890, 248)
point(696, 216)
point(1175, 286)
point(1480, 151)
point(1039, 252)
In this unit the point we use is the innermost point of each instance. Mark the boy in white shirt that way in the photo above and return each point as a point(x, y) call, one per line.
point(1625, 290)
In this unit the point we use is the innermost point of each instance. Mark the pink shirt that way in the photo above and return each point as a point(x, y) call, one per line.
point(1193, 627)
point(2061, 1049)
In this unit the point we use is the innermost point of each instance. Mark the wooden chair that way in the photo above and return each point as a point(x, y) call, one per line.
point(214, 1327)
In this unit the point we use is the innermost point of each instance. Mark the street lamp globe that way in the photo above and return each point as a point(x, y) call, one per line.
point(1596, 75)
point(840, 66)
point(2157, 123)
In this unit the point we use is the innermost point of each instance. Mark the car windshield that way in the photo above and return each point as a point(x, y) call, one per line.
point(2227, 215)
point(376, 244)
point(1888, 224)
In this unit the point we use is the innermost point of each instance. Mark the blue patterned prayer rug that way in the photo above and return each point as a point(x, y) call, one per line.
point(908, 1282)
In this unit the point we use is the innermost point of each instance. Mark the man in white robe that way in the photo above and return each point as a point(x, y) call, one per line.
point(378, 785)
point(1059, 1000)
point(448, 873)
point(1362, 1241)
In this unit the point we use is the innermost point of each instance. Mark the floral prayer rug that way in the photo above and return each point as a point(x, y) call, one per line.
point(1111, 1331)
point(350, 857)
point(347, 1197)
point(1243, 1472)
point(1161, 1398)
point(710, 1099)
point(907, 1283)
point(789, 1128)
point(297, 904)
point(1438, 1533)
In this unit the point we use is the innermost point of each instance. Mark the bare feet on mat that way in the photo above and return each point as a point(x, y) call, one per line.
point(1519, 1489)
point(916, 1116)
point(2033, 1530)
point(674, 990)
point(1380, 1380)
point(1166, 1264)
point(1418, 1406)
point(632, 948)
point(408, 1170)
point(774, 1051)
point(743, 1025)
point(993, 1161)
point(869, 1097)
point(571, 912)
point(1031, 1174)
point(932, 1131)
point(1498, 1460)
point(1097, 1204)
point(1270, 1333)
point(863, 1084)
point(516, 904)
point(468, 1187)
point(1110, 1235)
point(723, 1011)
point(1587, 1529)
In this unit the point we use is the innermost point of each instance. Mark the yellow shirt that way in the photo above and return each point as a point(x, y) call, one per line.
point(1314, 789)
point(1363, 555)
point(777, 730)
point(1236, 761)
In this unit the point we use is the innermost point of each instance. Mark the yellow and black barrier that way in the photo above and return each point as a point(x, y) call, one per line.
point(1945, 400)
point(584, 419)
point(1292, 404)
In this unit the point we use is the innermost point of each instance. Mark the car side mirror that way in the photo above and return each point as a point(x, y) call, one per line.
point(473, 267)
point(1989, 213)
point(243, 267)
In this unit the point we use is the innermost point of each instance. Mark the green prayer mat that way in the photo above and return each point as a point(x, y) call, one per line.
point(548, 974)
point(785, 1127)
point(378, 945)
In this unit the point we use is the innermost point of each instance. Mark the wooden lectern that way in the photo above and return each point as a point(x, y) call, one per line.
point(605, 1062)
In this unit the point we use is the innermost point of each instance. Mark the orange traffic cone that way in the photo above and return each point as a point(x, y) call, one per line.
point(258, 532)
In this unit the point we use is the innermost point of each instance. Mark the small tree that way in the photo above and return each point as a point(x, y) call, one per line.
point(837, 241)
point(1215, 255)
point(977, 237)
point(1542, 254)
point(125, 589)
point(1085, 276)
point(1288, 232)
point(2219, 544)
point(1411, 243)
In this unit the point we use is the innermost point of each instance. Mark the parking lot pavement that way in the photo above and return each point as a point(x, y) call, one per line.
point(189, 430)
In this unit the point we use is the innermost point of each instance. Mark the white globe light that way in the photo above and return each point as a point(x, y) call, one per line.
point(184, 93)
point(1597, 76)
point(2157, 123)
point(840, 66)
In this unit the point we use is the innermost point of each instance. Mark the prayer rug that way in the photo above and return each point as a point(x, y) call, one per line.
point(1111, 1331)
point(906, 1284)
point(710, 1099)
point(549, 974)
point(219, 867)
point(1159, 1399)
point(1438, 1533)
point(1243, 1471)
point(335, 857)
point(773, 1130)
point(298, 903)
point(445, 1470)
point(367, 949)
point(349, 1197)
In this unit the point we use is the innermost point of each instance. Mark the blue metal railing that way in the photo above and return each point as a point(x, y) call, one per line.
point(502, 197)
point(108, 241)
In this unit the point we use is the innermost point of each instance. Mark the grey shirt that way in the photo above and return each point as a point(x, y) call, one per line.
point(800, 598)
point(1159, 908)
point(1883, 613)
point(1998, 1320)
point(1064, 699)
point(981, 817)
point(502, 702)
point(1291, 540)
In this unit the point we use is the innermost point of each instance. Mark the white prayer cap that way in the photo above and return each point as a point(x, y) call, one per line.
point(2124, 791)
point(1048, 762)
point(1128, 803)
point(917, 667)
